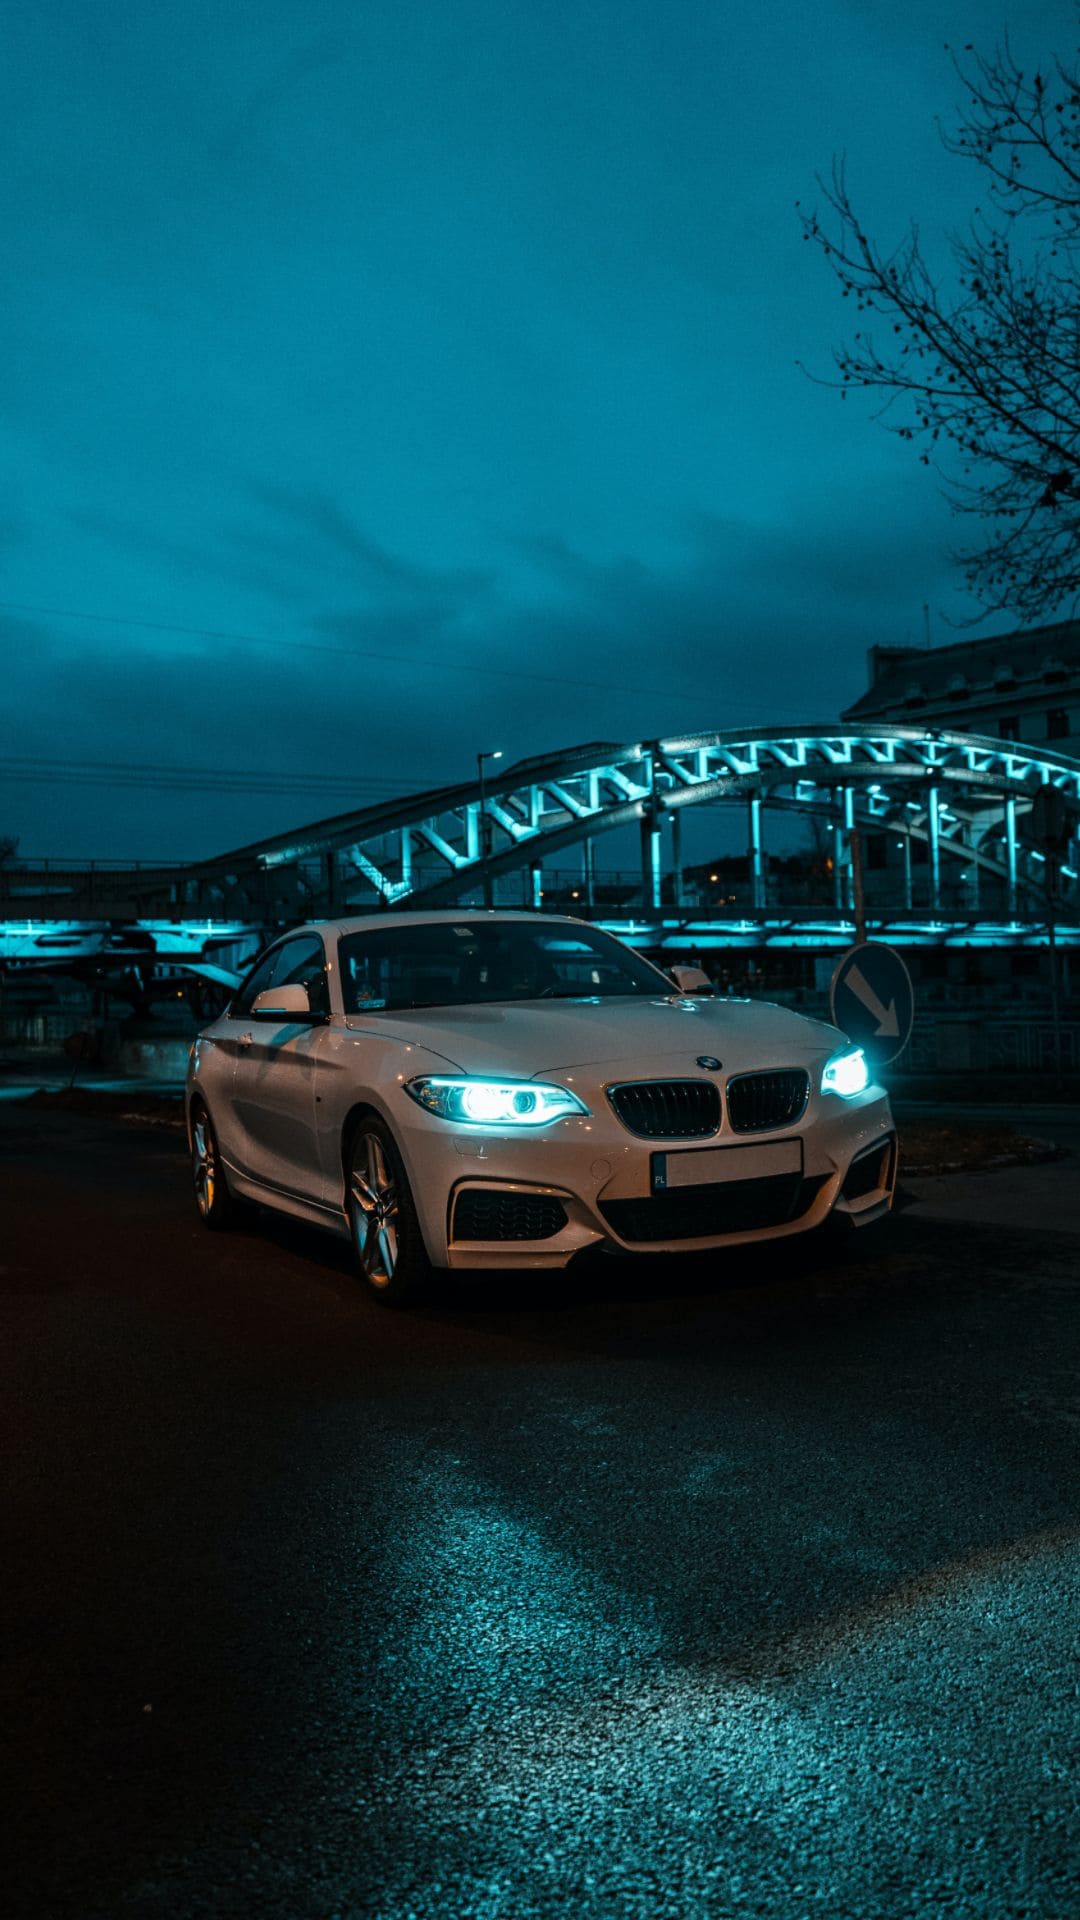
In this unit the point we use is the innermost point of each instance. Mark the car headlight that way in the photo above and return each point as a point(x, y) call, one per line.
point(846, 1074)
point(487, 1103)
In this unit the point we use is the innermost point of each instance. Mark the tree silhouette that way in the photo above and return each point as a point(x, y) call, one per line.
point(982, 366)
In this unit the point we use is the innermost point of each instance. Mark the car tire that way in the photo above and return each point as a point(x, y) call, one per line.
point(212, 1197)
point(387, 1243)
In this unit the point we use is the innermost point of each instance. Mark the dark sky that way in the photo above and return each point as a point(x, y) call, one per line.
point(384, 381)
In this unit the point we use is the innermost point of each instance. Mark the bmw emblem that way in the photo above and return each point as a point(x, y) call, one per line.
point(706, 1060)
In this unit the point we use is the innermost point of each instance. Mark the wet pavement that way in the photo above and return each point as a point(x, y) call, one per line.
point(746, 1586)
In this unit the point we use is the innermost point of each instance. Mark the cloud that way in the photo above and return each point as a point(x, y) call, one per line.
point(217, 556)
point(261, 107)
point(753, 625)
point(317, 517)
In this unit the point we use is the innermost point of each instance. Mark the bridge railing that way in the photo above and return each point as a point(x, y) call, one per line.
point(102, 890)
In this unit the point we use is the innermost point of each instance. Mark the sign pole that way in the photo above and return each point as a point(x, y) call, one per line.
point(1051, 824)
point(1052, 862)
point(859, 899)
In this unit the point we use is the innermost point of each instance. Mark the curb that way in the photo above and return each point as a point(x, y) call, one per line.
point(1046, 1150)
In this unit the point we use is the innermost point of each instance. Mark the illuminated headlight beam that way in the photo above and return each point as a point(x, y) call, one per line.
point(476, 1102)
point(846, 1074)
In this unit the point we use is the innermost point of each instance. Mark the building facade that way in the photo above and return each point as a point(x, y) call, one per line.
point(1016, 686)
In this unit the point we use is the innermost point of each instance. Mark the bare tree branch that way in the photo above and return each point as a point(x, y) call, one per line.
point(982, 367)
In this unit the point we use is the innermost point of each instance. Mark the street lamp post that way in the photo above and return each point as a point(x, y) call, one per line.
point(485, 834)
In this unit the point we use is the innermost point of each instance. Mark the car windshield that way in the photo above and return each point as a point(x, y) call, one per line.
point(458, 963)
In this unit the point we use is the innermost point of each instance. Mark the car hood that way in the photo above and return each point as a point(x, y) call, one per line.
point(550, 1036)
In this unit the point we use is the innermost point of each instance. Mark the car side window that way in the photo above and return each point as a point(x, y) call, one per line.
point(300, 962)
point(261, 975)
point(303, 963)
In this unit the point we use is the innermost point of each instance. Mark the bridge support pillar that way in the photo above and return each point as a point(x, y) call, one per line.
point(933, 824)
point(1010, 851)
point(650, 861)
point(908, 900)
point(848, 798)
point(536, 875)
point(588, 869)
point(757, 852)
point(406, 859)
point(838, 852)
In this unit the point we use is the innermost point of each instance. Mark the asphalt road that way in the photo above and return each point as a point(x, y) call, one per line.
point(738, 1588)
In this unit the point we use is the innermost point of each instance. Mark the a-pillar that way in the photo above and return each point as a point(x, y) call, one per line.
point(650, 861)
point(757, 855)
point(1010, 851)
point(933, 828)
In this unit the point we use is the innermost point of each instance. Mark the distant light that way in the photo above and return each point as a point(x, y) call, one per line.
point(575, 895)
point(714, 876)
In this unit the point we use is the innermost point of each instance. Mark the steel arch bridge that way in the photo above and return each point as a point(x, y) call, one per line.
point(958, 796)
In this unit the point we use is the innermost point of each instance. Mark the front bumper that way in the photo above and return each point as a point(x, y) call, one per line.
point(586, 1182)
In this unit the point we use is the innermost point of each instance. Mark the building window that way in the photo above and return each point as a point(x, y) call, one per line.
point(1009, 728)
point(1057, 724)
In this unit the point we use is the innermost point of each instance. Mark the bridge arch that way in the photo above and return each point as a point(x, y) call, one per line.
point(962, 796)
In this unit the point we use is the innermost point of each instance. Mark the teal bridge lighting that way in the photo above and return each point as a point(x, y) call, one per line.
point(953, 804)
point(962, 796)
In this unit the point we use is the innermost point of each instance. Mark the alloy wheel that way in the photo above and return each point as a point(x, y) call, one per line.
point(204, 1165)
point(375, 1212)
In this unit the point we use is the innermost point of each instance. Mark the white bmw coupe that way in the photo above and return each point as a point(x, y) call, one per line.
point(478, 1089)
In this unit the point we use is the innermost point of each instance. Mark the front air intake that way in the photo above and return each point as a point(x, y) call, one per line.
point(758, 1102)
point(668, 1109)
point(492, 1213)
point(702, 1213)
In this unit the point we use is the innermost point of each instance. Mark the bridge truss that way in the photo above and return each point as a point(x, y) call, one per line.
point(960, 796)
point(942, 798)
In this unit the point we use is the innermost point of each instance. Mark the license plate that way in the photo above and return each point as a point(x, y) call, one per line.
point(709, 1166)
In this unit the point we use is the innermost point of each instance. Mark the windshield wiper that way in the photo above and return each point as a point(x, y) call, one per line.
point(597, 993)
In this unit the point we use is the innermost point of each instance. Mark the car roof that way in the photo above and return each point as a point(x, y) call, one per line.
point(435, 916)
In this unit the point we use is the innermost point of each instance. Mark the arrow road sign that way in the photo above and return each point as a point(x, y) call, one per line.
point(872, 999)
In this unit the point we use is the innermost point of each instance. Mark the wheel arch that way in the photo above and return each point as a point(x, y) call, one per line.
point(196, 1098)
point(359, 1111)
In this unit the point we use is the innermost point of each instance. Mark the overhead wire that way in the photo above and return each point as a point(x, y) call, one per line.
point(442, 664)
point(155, 776)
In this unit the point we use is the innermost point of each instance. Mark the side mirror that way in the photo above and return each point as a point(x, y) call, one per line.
point(691, 980)
point(283, 1003)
